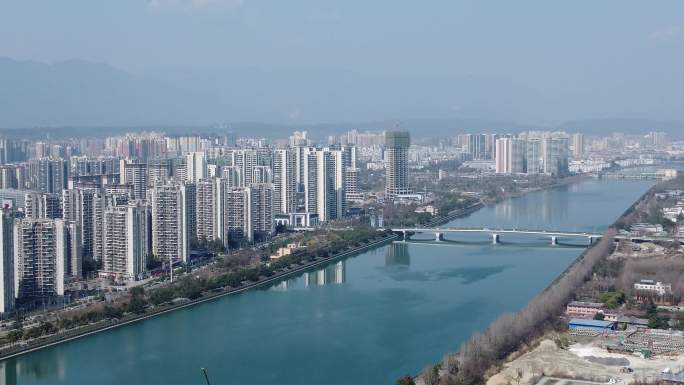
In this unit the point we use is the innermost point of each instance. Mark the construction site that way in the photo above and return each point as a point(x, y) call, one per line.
point(591, 357)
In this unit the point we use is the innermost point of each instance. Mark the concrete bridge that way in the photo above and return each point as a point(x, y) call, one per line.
point(552, 235)
point(497, 233)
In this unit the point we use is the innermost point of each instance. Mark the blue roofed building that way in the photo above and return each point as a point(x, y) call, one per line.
point(590, 324)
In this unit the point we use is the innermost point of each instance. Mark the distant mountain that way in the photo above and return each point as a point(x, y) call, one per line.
point(86, 98)
point(80, 93)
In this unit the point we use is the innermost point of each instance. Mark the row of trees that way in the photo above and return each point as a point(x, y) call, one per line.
point(509, 331)
point(192, 287)
point(484, 350)
point(445, 202)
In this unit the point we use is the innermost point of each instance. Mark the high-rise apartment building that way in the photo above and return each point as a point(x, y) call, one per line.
point(126, 241)
point(555, 155)
point(207, 210)
point(134, 174)
point(510, 156)
point(172, 218)
point(261, 210)
point(396, 163)
point(534, 157)
point(159, 171)
point(48, 175)
point(262, 174)
point(351, 184)
point(41, 257)
point(284, 181)
point(324, 183)
point(658, 139)
point(236, 211)
point(577, 145)
point(246, 160)
point(477, 146)
point(42, 205)
point(6, 261)
point(196, 166)
point(78, 207)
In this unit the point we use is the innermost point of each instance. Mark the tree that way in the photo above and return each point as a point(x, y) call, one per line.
point(190, 288)
point(599, 316)
point(112, 312)
point(162, 295)
point(430, 375)
point(15, 335)
point(406, 380)
point(137, 305)
point(138, 291)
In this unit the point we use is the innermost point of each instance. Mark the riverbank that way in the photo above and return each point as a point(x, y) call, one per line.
point(71, 334)
point(576, 358)
point(482, 353)
point(558, 183)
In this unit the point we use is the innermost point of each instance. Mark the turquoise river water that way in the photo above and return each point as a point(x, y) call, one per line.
point(367, 319)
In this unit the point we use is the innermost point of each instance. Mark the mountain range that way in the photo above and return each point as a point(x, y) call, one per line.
point(92, 98)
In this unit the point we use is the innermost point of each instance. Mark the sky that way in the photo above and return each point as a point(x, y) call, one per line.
point(577, 56)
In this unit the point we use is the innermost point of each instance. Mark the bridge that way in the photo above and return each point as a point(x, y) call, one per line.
point(497, 233)
point(553, 235)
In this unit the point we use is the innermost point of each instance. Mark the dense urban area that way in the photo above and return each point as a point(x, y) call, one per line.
point(99, 232)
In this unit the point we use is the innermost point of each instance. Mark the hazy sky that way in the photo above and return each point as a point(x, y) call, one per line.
point(571, 49)
point(544, 38)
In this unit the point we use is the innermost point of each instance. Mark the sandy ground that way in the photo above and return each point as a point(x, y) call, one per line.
point(549, 360)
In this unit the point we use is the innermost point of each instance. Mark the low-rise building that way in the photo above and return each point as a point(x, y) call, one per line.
point(591, 325)
point(430, 209)
point(646, 228)
point(651, 286)
point(583, 309)
point(287, 250)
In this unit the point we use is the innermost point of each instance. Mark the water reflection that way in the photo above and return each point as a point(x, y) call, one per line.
point(14, 368)
point(329, 275)
point(284, 284)
point(397, 255)
point(544, 207)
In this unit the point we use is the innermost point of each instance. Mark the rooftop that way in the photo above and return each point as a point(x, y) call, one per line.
point(586, 304)
point(590, 322)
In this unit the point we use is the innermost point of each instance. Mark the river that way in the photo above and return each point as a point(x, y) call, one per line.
point(367, 319)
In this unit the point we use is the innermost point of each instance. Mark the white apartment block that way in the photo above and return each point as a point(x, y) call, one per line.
point(284, 181)
point(171, 222)
point(40, 257)
point(134, 174)
point(196, 166)
point(126, 242)
point(208, 195)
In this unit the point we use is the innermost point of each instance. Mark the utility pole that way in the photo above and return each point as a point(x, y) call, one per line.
point(206, 377)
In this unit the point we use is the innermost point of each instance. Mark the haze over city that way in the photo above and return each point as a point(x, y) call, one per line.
point(202, 63)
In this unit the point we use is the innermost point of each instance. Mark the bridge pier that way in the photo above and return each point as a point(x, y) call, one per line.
point(591, 240)
point(495, 238)
point(554, 240)
point(439, 237)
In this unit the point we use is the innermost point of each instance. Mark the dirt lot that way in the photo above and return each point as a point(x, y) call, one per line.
point(583, 362)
